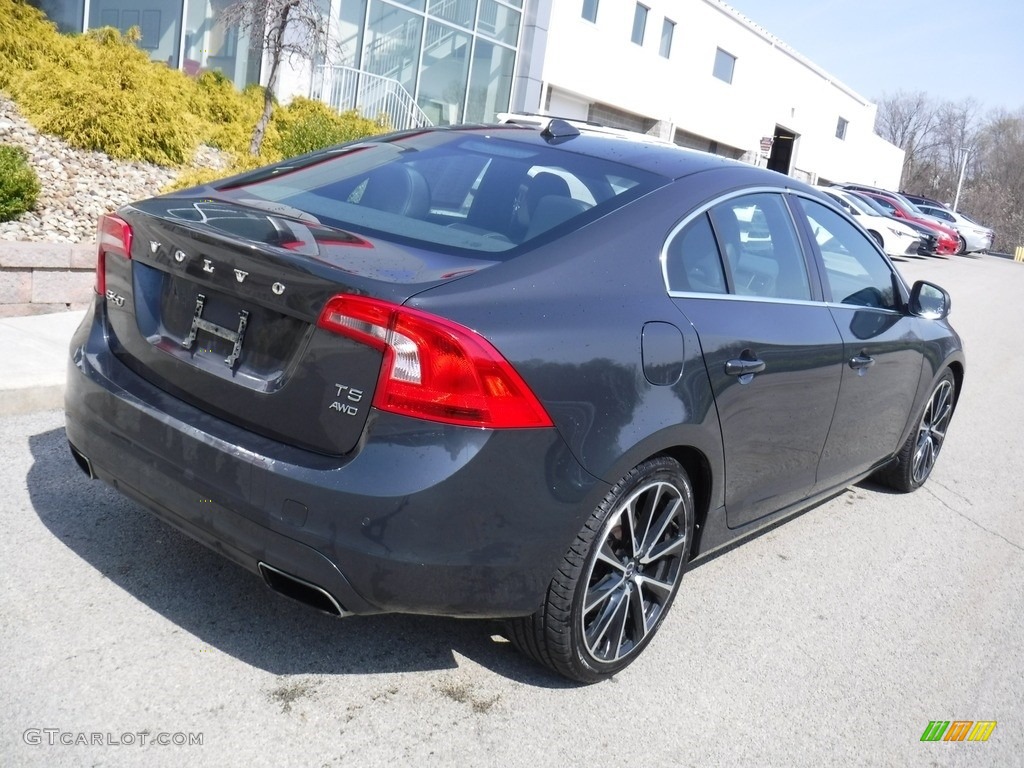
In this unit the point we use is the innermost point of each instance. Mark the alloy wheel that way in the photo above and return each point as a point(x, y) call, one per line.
point(635, 570)
point(932, 430)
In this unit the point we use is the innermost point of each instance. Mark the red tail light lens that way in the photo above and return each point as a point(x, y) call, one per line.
point(435, 369)
point(114, 236)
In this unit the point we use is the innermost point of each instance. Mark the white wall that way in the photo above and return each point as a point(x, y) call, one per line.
point(772, 85)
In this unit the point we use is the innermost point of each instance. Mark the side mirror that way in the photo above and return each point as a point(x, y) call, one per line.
point(929, 301)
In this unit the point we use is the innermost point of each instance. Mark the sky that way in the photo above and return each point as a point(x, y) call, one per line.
point(950, 50)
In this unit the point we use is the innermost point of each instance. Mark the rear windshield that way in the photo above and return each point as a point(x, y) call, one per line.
point(457, 192)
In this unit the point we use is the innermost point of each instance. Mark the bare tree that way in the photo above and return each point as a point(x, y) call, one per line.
point(995, 195)
point(907, 120)
point(944, 139)
point(285, 29)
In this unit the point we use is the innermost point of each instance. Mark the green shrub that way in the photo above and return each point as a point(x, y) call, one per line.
point(19, 185)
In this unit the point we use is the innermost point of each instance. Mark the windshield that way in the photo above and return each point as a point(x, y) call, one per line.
point(859, 204)
point(451, 190)
point(872, 204)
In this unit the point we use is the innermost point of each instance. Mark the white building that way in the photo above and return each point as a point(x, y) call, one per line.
point(700, 73)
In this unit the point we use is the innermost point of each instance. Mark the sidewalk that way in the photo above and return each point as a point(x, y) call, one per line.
point(33, 361)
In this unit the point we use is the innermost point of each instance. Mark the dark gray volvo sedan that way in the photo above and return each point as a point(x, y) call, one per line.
point(518, 371)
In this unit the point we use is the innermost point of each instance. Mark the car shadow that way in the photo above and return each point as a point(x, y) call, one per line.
point(230, 609)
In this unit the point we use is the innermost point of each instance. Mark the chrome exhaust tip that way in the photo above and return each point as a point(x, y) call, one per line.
point(301, 590)
point(83, 463)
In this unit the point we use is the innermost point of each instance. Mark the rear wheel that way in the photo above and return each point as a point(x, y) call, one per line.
point(919, 453)
point(618, 579)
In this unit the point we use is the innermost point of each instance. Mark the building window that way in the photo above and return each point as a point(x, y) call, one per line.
point(725, 63)
point(639, 24)
point(590, 10)
point(666, 37)
point(841, 128)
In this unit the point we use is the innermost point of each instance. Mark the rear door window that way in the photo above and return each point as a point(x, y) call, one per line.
point(760, 248)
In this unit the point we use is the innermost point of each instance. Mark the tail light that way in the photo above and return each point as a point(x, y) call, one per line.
point(435, 369)
point(113, 236)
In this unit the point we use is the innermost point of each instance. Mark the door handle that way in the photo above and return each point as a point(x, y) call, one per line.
point(861, 362)
point(743, 367)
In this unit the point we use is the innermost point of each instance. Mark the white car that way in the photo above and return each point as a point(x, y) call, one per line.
point(896, 238)
point(975, 237)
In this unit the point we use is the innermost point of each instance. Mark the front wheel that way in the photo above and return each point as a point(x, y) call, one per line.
point(917, 457)
point(618, 579)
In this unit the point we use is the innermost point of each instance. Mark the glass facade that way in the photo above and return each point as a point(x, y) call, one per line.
point(66, 14)
point(158, 21)
point(183, 34)
point(455, 57)
point(212, 45)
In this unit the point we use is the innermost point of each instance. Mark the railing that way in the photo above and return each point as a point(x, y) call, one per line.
point(344, 88)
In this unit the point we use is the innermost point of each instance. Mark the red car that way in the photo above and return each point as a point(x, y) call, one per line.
point(947, 239)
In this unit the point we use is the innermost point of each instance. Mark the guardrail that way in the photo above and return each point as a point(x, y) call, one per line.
point(344, 88)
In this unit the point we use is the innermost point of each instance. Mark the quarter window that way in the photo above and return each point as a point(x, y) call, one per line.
point(855, 271)
point(758, 242)
point(725, 64)
point(692, 261)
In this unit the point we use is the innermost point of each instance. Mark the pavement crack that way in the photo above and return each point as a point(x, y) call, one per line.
point(951, 491)
point(971, 520)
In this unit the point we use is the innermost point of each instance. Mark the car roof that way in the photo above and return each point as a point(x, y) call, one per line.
point(636, 150)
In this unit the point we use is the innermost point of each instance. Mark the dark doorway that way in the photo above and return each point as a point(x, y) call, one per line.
point(782, 150)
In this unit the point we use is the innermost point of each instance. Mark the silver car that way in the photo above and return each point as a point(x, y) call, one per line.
point(975, 237)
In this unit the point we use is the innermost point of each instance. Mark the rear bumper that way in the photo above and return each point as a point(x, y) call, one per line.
point(420, 518)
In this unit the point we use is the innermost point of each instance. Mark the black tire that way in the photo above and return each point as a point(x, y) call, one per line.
point(961, 245)
point(878, 238)
point(917, 457)
point(611, 593)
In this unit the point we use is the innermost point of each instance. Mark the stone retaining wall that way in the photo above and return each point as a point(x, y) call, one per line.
point(38, 278)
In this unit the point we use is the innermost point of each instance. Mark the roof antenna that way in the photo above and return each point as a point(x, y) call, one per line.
point(558, 129)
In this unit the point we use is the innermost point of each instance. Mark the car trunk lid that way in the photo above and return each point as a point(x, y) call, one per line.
point(219, 303)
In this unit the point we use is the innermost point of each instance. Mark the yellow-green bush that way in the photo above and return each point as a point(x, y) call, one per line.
point(300, 127)
point(99, 91)
point(306, 125)
point(229, 115)
point(19, 185)
point(241, 161)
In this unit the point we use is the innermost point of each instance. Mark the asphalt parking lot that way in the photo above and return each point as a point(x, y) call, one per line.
point(834, 639)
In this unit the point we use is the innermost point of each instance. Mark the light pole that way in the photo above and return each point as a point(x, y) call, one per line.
point(960, 181)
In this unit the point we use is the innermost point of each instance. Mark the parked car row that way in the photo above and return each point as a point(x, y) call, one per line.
point(897, 238)
point(953, 232)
